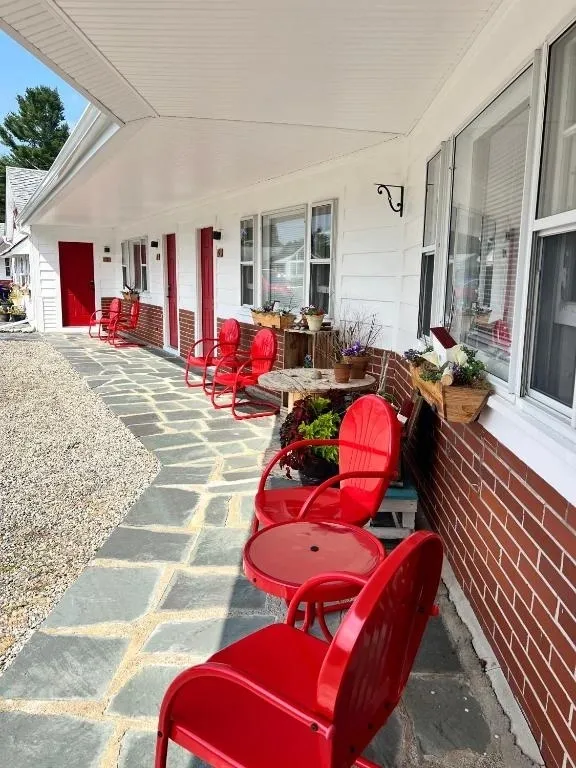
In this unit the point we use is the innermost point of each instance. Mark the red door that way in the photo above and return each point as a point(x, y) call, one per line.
point(172, 291)
point(207, 283)
point(76, 282)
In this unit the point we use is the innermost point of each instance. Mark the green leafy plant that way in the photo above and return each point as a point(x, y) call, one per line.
point(324, 427)
point(462, 366)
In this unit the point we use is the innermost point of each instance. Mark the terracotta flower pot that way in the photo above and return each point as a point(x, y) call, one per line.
point(342, 373)
point(358, 366)
point(314, 322)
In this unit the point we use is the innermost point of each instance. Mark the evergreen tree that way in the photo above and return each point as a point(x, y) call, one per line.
point(34, 134)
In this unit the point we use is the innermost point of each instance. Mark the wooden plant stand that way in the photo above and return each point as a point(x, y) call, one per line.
point(457, 404)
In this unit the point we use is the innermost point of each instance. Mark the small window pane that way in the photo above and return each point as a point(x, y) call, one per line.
point(320, 286)
point(283, 258)
point(558, 178)
point(125, 263)
point(136, 266)
point(247, 283)
point(432, 193)
point(247, 240)
point(321, 232)
point(247, 247)
point(554, 358)
point(426, 284)
point(488, 184)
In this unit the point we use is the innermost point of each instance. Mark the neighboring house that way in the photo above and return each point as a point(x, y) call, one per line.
point(241, 125)
point(20, 257)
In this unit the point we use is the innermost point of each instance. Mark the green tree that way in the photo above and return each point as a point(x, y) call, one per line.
point(34, 134)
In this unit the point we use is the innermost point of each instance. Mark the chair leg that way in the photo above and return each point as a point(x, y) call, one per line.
point(322, 622)
point(362, 762)
point(161, 749)
point(255, 525)
point(187, 379)
point(243, 416)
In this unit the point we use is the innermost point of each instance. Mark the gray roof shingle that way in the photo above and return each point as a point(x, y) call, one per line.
point(23, 182)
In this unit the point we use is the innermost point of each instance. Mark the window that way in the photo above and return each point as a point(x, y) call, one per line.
point(320, 255)
point(297, 258)
point(487, 189)
point(247, 251)
point(135, 264)
point(21, 271)
point(554, 352)
point(558, 180)
point(6, 266)
point(283, 256)
point(431, 208)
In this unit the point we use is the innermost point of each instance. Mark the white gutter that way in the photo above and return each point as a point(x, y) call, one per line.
point(90, 133)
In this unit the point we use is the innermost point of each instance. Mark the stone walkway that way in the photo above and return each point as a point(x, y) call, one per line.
point(166, 590)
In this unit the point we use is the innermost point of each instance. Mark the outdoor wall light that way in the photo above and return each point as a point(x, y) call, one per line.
point(399, 207)
point(216, 234)
point(154, 243)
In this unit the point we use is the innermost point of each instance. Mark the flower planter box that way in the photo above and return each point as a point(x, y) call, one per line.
point(128, 296)
point(273, 320)
point(453, 403)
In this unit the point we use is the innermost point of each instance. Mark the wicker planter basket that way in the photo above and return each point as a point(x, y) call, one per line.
point(273, 320)
point(129, 296)
point(453, 403)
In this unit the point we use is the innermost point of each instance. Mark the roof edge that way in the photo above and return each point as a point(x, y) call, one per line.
point(92, 130)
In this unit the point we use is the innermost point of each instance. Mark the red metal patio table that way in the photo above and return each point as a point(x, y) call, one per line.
point(280, 558)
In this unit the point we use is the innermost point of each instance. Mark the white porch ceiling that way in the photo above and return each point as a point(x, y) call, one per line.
point(151, 166)
point(369, 65)
point(216, 95)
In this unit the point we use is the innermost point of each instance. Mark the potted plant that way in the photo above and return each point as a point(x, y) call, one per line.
point(4, 313)
point(356, 336)
point(313, 417)
point(314, 317)
point(269, 315)
point(17, 313)
point(130, 293)
point(456, 388)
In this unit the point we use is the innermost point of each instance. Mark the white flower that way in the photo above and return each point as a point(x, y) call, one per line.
point(432, 357)
point(457, 355)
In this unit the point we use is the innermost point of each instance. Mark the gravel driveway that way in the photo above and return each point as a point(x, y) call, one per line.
point(69, 470)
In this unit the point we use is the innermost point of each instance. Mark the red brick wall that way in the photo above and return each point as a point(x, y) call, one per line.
point(186, 326)
point(150, 323)
point(511, 540)
point(248, 331)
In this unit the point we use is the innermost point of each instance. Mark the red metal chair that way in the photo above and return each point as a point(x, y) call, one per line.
point(120, 325)
point(261, 359)
point(283, 698)
point(226, 345)
point(103, 319)
point(369, 448)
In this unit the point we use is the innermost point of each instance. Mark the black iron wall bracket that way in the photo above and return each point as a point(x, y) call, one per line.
point(399, 207)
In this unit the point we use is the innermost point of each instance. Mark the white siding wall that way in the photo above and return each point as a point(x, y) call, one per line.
point(368, 242)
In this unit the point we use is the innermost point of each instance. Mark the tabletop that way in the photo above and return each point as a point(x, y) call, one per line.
point(280, 558)
point(304, 380)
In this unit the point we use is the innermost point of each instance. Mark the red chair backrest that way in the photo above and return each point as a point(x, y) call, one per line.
point(114, 309)
point(134, 314)
point(264, 347)
point(229, 337)
point(370, 658)
point(371, 425)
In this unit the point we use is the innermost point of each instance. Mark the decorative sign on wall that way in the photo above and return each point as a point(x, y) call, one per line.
point(158, 256)
point(220, 253)
point(107, 259)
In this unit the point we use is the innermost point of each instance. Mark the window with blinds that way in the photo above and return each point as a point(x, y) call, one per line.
point(135, 264)
point(488, 182)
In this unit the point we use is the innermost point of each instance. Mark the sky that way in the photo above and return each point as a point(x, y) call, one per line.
point(20, 70)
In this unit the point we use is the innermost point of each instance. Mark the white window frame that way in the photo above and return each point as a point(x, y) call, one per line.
point(144, 271)
point(255, 248)
point(7, 268)
point(554, 417)
point(258, 261)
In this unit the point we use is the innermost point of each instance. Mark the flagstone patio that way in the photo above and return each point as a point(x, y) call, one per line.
point(166, 590)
